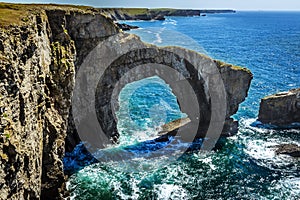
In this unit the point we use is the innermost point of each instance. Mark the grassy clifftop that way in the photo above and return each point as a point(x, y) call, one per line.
point(12, 14)
point(18, 13)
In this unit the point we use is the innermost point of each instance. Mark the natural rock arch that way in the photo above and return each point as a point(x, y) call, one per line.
point(150, 62)
point(218, 87)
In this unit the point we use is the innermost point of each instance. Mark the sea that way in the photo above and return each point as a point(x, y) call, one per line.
point(243, 166)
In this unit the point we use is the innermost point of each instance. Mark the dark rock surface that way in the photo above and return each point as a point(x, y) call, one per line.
point(288, 149)
point(280, 109)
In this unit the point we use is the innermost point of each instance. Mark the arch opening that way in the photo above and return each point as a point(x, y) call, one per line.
point(144, 106)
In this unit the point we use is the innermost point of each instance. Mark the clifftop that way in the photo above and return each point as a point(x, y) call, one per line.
point(18, 14)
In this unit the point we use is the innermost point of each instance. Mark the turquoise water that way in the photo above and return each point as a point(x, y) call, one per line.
point(243, 166)
point(150, 98)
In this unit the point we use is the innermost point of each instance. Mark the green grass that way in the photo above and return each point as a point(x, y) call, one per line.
point(129, 11)
point(140, 11)
point(136, 11)
point(10, 16)
point(170, 10)
point(19, 13)
point(234, 67)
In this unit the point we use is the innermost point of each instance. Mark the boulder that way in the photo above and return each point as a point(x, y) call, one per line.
point(288, 149)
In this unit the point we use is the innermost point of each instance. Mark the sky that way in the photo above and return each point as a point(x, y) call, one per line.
point(192, 4)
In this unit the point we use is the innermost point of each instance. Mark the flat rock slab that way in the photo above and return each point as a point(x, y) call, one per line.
point(166, 128)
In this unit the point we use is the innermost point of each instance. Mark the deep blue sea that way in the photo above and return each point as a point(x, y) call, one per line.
point(245, 166)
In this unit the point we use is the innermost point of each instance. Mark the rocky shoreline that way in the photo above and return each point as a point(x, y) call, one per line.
point(282, 110)
point(152, 14)
point(40, 47)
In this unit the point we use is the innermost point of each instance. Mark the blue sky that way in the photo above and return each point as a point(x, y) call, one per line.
point(213, 4)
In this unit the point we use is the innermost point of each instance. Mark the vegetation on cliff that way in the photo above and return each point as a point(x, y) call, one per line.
point(17, 14)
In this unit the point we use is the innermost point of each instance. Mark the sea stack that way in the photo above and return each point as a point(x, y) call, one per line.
point(280, 109)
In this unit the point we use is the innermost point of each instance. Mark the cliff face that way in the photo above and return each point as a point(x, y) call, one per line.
point(37, 73)
point(237, 83)
point(33, 109)
point(39, 58)
point(23, 114)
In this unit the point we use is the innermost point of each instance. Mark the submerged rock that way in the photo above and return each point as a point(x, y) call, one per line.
point(280, 109)
point(288, 149)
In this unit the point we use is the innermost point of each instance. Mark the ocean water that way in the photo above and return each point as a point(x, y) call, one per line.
point(243, 166)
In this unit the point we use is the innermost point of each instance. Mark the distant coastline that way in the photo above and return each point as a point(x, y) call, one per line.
point(155, 14)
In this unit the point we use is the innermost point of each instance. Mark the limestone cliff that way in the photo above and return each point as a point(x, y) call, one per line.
point(37, 73)
point(41, 49)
